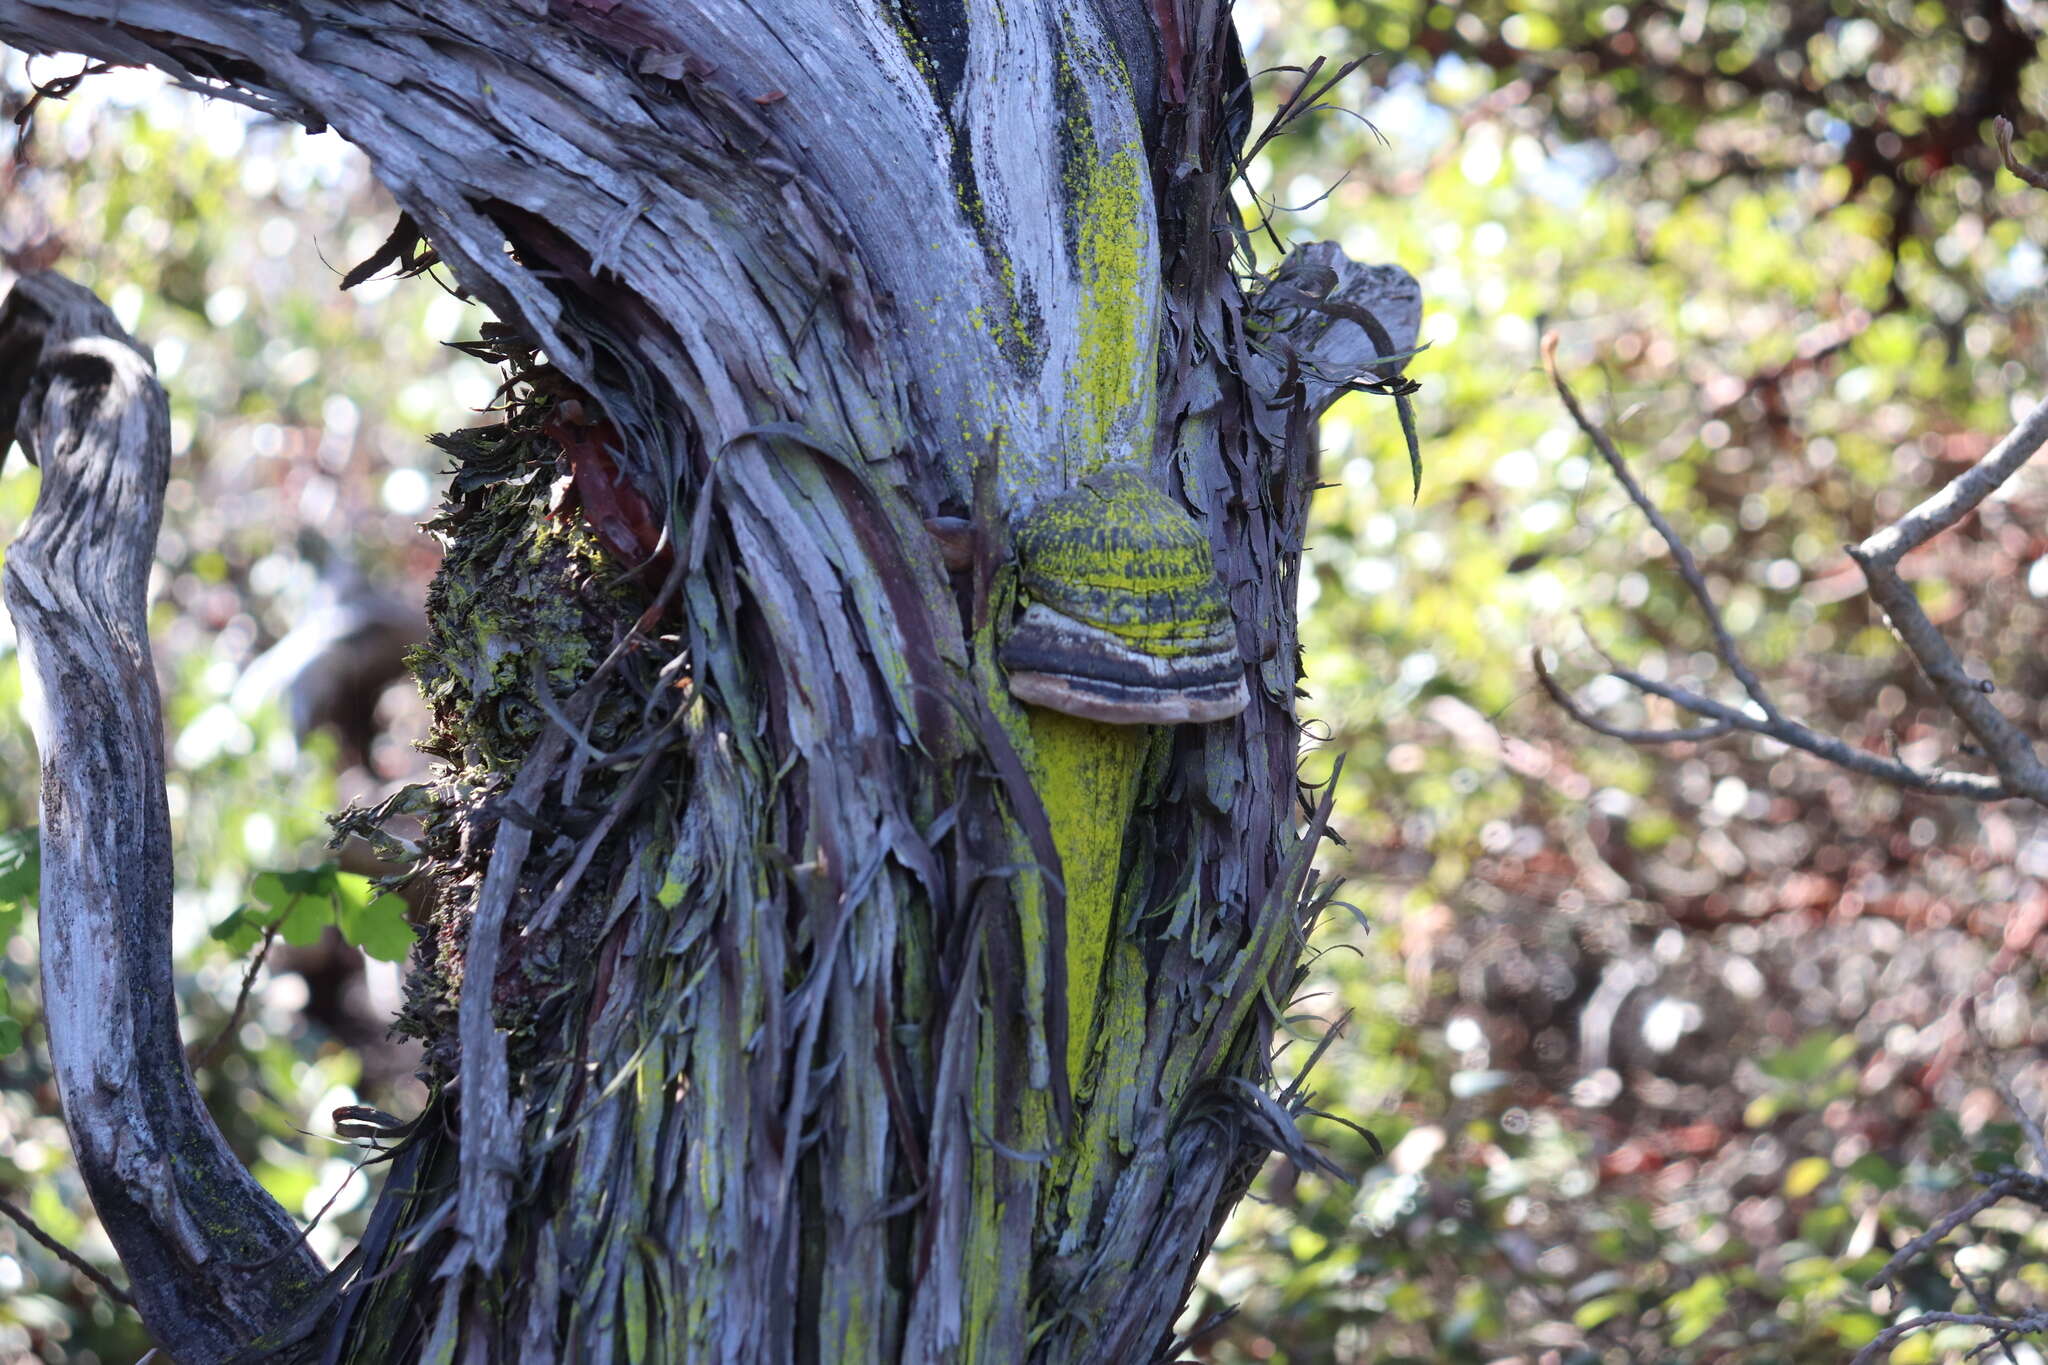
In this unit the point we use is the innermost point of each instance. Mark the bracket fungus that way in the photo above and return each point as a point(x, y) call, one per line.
point(1124, 620)
point(1124, 626)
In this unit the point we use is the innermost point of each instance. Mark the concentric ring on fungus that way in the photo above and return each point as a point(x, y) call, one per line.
point(1124, 619)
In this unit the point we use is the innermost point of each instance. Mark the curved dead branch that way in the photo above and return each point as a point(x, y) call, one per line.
point(214, 1260)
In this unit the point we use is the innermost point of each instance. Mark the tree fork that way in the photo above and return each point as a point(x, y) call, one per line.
point(762, 1059)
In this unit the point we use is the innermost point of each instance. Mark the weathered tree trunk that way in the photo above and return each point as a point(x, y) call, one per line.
point(762, 1023)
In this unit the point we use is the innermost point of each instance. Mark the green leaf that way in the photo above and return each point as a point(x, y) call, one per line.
point(313, 881)
point(1803, 1177)
point(301, 903)
point(1856, 1329)
point(10, 1035)
point(1812, 1058)
point(351, 893)
point(317, 881)
point(380, 928)
point(1593, 1312)
point(240, 930)
point(1695, 1308)
point(21, 864)
point(304, 919)
point(269, 889)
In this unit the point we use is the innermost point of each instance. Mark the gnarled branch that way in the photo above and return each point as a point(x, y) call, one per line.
point(214, 1261)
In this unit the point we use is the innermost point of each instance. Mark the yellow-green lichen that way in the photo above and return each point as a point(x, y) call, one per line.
point(1021, 1122)
point(1028, 888)
point(1117, 554)
point(1012, 326)
point(1087, 776)
point(1108, 1100)
point(1110, 388)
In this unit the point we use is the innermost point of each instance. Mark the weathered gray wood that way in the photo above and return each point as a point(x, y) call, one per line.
point(835, 270)
point(213, 1259)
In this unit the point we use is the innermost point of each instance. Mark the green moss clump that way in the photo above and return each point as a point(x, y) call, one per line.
point(519, 598)
point(520, 614)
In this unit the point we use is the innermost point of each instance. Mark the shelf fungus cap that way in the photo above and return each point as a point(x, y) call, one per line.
point(1124, 620)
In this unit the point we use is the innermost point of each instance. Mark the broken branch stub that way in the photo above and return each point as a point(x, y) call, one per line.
point(215, 1262)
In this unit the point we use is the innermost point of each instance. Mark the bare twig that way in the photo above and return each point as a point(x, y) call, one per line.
point(2009, 1183)
point(202, 1060)
point(2019, 769)
point(2010, 749)
point(1571, 707)
point(1681, 553)
point(1934, 781)
point(1984, 1291)
point(64, 1253)
point(2031, 1126)
point(2002, 1328)
point(1301, 100)
point(1912, 1251)
point(1962, 495)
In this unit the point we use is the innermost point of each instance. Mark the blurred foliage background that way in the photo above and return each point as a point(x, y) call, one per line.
point(1664, 1048)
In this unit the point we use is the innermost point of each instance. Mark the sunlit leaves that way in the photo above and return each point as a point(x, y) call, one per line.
point(300, 906)
point(10, 1027)
point(20, 875)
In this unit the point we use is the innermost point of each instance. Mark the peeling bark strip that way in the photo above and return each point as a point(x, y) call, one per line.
point(214, 1260)
point(751, 1035)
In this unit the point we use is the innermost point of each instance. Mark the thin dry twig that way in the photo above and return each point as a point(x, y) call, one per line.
point(2003, 1329)
point(64, 1253)
point(1912, 1251)
point(1681, 553)
point(1934, 781)
point(202, 1060)
point(2007, 1184)
point(1570, 706)
point(1963, 494)
point(2010, 1183)
point(2037, 1142)
point(2019, 771)
point(2003, 127)
point(2010, 749)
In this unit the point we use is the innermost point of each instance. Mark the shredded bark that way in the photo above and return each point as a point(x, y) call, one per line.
point(745, 981)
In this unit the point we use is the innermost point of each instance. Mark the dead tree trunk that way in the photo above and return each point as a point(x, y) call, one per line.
point(862, 893)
